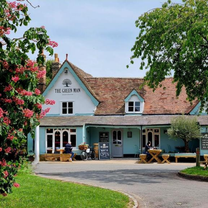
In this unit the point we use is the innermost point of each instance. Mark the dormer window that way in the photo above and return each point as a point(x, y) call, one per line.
point(134, 103)
point(134, 106)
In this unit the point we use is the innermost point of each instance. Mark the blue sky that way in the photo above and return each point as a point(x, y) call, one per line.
point(97, 35)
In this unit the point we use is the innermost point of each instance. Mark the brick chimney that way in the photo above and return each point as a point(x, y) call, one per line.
point(42, 81)
point(55, 65)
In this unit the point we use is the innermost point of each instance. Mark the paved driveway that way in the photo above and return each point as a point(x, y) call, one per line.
point(153, 185)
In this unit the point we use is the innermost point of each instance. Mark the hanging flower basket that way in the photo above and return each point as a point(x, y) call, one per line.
point(83, 146)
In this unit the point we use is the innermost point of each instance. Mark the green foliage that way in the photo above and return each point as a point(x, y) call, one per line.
point(185, 128)
point(20, 100)
point(175, 37)
point(49, 71)
point(197, 171)
point(44, 193)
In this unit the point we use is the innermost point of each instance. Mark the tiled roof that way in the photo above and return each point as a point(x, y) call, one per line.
point(111, 93)
point(113, 120)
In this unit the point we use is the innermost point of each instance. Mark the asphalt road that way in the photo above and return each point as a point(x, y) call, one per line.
point(152, 185)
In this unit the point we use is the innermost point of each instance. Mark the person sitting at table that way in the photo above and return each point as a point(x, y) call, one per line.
point(147, 147)
point(68, 149)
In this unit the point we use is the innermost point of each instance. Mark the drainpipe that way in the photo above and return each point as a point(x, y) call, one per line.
point(83, 133)
point(37, 146)
point(141, 139)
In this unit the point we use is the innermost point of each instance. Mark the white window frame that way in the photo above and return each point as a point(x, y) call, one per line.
point(134, 106)
point(61, 106)
point(70, 131)
point(154, 131)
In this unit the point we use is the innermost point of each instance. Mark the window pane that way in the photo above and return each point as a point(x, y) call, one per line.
point(73, 140)
point(72, 130)
point(70, 104)
point(64, 111)
point(143, 140)
point(64, 104)
point(57, 139)
point(137, 106)
point(150, 137)
point(156, 140)
point(65, 138)
point(114, 137)
point(70, 111)
point(131, 104)
point(49, 141)
point(49, 130)
point(131, 109)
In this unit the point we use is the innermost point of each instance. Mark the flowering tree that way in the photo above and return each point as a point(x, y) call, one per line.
point(20, 100)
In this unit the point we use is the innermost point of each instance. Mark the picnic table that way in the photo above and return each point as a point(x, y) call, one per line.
point(154, 153)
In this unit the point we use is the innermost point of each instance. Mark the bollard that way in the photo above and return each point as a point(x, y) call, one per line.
point(197, 157)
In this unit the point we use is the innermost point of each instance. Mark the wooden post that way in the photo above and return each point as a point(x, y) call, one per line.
point(197, 157)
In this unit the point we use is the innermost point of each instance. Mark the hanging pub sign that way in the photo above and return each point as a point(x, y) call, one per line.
point(204, 142)
point(104, 151)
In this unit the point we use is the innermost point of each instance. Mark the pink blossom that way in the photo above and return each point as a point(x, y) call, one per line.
point(43, 27)
point(37, 91)
point(7, 120)
point(52, 43)
point(30, 63)
point(50, 102)
point(28, 113)
point(26, 93)
point(18, 101)
point(0, 149)
point(43, 113)
point(16, 185)
point(8, 88)
point(7, 100)
point(38, 105)
point(41, 74)
point(10, 137)
point(13, 4)
point(5, 173)
point(15, 78)
point(1, 113)
point(3, 163)
point(8, 150)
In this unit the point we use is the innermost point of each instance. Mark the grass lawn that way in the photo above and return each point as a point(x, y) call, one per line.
point(37, 192)
point(199, 171)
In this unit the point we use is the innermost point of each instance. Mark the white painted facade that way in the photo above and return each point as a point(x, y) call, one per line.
point(73, 92)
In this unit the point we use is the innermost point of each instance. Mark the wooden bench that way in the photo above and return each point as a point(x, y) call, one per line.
point(184, 155)
point(143, 158)
point(165, 158)
point(65, 157)
point(50, 157)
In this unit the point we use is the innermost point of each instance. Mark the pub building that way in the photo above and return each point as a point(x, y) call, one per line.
point(116, 111)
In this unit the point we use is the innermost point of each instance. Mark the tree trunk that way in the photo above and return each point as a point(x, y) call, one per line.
point(186, 145)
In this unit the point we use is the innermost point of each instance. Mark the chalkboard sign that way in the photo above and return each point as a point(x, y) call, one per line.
point(104, 150)
point(204, 142)
point(103, 137)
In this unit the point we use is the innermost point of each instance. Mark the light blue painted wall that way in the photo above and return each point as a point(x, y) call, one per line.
point(30, 141)
point(129, 144)
point(168, 144)
point(42, 140)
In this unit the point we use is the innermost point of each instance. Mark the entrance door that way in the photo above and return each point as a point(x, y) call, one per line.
point(117, 143)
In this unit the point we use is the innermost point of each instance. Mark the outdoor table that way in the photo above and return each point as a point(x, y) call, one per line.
point(60, 150)
point(154, 153)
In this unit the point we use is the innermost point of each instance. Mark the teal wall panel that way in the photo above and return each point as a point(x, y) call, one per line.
point(30, 142)
point(42, 140)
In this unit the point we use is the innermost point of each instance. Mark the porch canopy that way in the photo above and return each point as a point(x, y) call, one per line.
point(150, 120)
